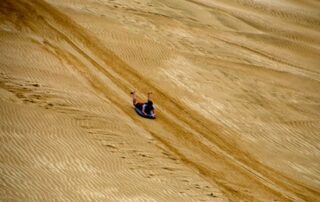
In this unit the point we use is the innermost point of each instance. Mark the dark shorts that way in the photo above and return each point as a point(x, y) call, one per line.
point(139, 106)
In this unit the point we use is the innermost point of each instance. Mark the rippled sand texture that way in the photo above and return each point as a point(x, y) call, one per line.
point(236, 84)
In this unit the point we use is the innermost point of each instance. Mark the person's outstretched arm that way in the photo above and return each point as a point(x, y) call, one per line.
point(149, 95)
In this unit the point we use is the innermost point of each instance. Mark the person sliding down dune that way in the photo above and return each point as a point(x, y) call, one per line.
point(147, 109)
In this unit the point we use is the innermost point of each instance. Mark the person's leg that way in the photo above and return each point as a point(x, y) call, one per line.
point(134, 98)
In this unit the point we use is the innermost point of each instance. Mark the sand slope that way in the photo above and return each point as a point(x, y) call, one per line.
point(236, 84)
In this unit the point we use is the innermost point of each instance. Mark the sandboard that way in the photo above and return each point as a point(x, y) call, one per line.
point(143, 115)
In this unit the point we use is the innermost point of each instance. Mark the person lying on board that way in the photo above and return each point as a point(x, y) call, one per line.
point(146, 108)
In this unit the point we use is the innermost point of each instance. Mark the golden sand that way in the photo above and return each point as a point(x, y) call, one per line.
point(236, 85)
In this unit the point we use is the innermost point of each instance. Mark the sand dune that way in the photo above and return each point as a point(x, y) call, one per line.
point(236, 86)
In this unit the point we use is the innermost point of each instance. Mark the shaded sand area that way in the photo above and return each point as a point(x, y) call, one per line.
point(236, 85)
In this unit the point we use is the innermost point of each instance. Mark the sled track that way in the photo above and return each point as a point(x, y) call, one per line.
point(97, 65)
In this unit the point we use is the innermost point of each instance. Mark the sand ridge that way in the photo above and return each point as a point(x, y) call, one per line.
point(227, 138)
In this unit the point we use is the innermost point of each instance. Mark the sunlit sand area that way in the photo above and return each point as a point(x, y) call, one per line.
point(236, 85)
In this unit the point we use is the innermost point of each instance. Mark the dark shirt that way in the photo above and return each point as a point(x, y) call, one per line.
point(148, 108)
